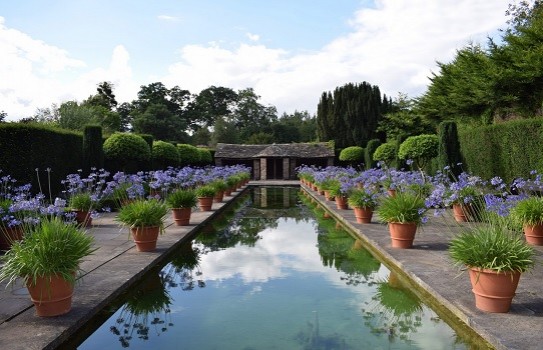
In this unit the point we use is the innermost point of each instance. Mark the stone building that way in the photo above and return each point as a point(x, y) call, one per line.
point(275, 161)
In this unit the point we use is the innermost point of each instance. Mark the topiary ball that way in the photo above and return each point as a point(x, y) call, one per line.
point(165, 153)
point(352, 154)
point(126, 146)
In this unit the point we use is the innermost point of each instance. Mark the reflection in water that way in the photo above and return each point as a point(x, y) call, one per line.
point(396, 311)
point(269, 275)
point(312, 339)
point(184, 269)
point(145, 312)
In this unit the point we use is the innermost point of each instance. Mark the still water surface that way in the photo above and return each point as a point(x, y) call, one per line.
point(272, 274)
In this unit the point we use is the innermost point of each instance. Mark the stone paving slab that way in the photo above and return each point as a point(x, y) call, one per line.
point(435, 277)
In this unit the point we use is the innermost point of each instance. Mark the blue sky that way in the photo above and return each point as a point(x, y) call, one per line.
point(289, 51)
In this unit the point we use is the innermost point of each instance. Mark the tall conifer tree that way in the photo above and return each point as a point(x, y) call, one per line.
point(350, 115)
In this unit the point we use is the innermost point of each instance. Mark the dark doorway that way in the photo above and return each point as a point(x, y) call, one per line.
point(274, 168)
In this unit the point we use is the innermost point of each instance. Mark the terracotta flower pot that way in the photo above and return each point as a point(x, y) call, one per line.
point(534, 234)
point(402, 234)
point(328, 196)
point(181, 216)
point(83, 218)
point(363, 215)
point(10, 234)
point(461, 212)
point(157, 193)
point(493, 291)
point(51, 295)
point(145, 237)
point(341, 202)
point(205, 203)
point(219, 196)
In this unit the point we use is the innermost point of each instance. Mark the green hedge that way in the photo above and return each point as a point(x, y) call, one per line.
point(508, 150)
point(369, 151)
point(188, 154)
point(353, 155)
point(449, 153)
point(27, 147)
point(93, 152)
point(387, 152)
point(126, 152)
point(164, 154)
point(205, 157)
point(421, 149)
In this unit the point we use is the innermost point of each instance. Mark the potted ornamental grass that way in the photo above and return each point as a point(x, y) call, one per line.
point(145, 217)
point(220, 186)
point(82, 205)
point(181, 202)
point(47, 260)
point(363, 201)
point(10, 225)
point(495, 257)
point(528, 213)
point(205, 196)
point(403, 212)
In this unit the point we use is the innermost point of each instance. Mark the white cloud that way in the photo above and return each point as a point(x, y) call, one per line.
point(31, 72)
point(168, 18)
point(253, 37)
point(118, 73)
point(393, 45)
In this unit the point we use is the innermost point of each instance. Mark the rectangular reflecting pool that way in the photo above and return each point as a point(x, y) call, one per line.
point(271, 273)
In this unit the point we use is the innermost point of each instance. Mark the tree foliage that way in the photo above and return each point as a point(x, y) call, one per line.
point(224, 132)
point(159, 121)
point(501, 81)
point(352, 154)
point(212, 103)
point(386, 153)
point(160, 111)
point(369, 151)
point(104, 98)
point(402, 120)
point(350, 115)
point(421, 149)
point(449, 154)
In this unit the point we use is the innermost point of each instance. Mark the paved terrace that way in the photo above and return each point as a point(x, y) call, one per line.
point(116, 266)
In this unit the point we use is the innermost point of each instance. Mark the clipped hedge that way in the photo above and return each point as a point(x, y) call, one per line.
point(508, 150)
point(93, 152)
point(369, 151)
point(449, 153)
point(205, 157)
point(385, 153)
point(188, 154)
point(126, 152)
point(353, 155)
point(27, 147)
point(421, 149)
point(164, 154)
